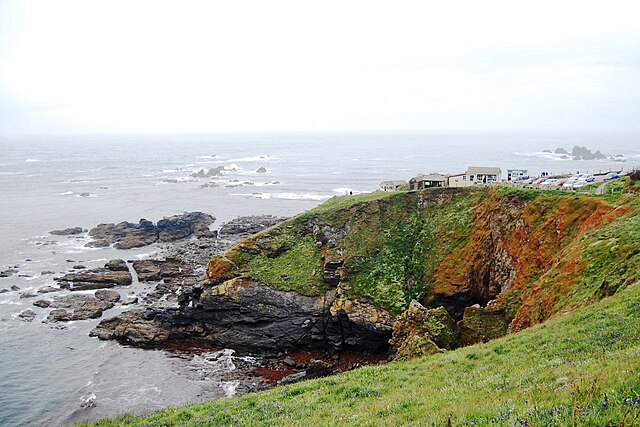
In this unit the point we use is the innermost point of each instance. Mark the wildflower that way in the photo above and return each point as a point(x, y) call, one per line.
point(604, 405)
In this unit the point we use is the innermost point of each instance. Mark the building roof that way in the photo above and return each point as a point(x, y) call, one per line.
point(429, 177)
point(475, 170)
point(397, 182)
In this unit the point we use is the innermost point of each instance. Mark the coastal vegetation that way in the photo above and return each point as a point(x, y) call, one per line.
point(460, 271)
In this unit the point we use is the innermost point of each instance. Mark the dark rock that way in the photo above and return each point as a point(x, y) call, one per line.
point(261, 170)
point(289, 362)
point(27, 315)
point(251, 317)
point(3, 291)
point(126, 235)
point(107, 295)
point(47, 273)
point(68, 231)
point(79, 267)
point(15, 288)
point(47, 289)
point(249, 225)
point(561, 151)
point(293, 378)
point(27, 295)
point(9, 272)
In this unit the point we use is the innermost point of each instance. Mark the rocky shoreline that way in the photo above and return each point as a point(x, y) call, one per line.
point(277, 338)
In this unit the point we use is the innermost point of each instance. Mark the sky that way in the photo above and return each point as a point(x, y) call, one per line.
point(80, 66)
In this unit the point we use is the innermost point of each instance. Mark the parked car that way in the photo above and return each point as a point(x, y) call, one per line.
point(589, 178)
point(611, 176)
point(539, 181)
point(580, 183)
point(569, 183)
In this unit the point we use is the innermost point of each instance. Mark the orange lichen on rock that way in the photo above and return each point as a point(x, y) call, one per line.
point(220, 269)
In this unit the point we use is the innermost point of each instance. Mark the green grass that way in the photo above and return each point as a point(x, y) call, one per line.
point(298, 268)
point(343, 202)
point(582, 369)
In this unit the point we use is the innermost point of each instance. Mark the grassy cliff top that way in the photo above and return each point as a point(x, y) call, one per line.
point(538, 253)
point(582, 368)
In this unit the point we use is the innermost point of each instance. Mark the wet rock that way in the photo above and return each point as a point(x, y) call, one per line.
point(8, 273)
point(4, 290)
point(47, 273)
point(251, 317)
point(79, 267)
point(114, 273)
point(130, 299)
point(48, 289)
point(27, 295)
point(27, 315)
point(68, 231)
point(249, 225)
point(107, 295)
point(77, 307)
point(42, 303)
point(15, 288)
point(261, 170)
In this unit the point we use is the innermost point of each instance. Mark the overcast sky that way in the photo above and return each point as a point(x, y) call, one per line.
point(207, 66)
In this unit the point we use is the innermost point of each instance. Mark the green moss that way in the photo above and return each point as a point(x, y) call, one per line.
point(297, 268)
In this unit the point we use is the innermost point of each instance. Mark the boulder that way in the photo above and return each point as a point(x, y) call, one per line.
point(108, 295)
point(27, 315)
point(151, 270)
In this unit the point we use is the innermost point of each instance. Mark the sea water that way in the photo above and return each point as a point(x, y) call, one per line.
point(52, 374)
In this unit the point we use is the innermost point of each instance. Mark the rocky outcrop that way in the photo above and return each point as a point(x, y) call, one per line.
point(68, 231)
point(251, 317)
point(126, 235)
point(247, 225)
point(114, 273)
point(420, 331)
point(80, 307)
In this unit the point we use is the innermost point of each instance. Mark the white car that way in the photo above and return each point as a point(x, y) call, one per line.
point(580, 183)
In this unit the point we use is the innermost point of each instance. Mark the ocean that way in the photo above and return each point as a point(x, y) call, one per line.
point(48, 372)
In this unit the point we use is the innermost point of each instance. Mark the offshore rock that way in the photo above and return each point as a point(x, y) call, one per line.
point(251, 317)
point(126, 235)
point(114, 273)
point(68, 231)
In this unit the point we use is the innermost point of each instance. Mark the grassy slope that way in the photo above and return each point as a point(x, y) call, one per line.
point(578, 369)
